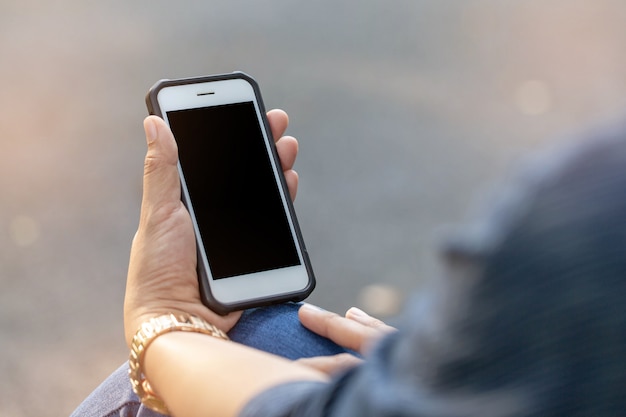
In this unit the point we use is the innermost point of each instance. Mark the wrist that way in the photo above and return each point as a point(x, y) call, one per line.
point(140, 316)
point(135, 314)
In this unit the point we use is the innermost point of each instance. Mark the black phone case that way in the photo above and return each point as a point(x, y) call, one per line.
point(205, 289)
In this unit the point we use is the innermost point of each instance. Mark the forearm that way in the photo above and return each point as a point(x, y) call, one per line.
point(199, 375)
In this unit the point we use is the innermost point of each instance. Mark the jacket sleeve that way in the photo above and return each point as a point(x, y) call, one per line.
point(371, 389)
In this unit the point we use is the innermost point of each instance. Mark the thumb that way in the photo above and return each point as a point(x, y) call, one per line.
point(161, 183)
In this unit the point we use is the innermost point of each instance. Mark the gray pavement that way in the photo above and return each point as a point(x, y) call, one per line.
point(404, 111)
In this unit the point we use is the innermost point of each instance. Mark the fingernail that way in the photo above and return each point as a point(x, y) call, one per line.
point(151, 130)
point(312, 307)
point(356, 312)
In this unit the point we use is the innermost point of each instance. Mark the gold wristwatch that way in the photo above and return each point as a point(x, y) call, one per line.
point(146, 334)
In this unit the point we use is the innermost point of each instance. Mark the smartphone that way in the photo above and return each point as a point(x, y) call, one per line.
point(249, 245)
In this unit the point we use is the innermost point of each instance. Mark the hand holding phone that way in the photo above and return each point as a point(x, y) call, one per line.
point(250, 249)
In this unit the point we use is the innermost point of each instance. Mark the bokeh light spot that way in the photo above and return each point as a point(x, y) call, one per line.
point(380, 300)
point(24, 230)
point(533, 97)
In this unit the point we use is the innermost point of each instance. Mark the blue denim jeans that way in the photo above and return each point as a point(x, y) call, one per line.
point(274, 329)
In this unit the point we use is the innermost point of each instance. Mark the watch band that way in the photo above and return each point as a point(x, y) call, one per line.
point(146, 334)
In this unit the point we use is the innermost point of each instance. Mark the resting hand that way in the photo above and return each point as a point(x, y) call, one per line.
point(162, 271)
point(356, 331)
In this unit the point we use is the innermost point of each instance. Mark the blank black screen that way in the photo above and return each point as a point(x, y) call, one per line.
point(233, 192)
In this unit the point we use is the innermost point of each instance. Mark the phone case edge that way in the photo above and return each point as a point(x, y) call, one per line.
point(206, 294)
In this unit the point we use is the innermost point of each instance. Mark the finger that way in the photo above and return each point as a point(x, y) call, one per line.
point(331, 364)
point(279, 121)
point(365, 319)
point(161, 183)
point(347, 333)
point(291, 177)
point(287, 148)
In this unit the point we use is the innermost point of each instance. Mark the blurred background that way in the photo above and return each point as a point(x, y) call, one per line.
point(406, 111)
